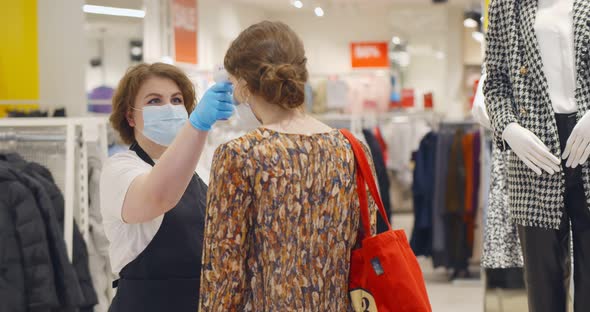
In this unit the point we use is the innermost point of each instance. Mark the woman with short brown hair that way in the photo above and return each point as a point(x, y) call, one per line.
point(282, 213)
point(152, 202)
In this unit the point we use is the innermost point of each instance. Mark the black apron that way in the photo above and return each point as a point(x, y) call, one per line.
point(166, 275)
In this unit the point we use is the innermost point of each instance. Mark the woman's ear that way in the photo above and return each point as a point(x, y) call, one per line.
point(242, 91)
point(130, 118)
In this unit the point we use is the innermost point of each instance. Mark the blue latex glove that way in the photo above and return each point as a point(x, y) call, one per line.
point(216, 104)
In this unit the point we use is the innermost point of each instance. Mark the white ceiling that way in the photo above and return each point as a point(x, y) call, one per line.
point(98, 21)
point(281, 5)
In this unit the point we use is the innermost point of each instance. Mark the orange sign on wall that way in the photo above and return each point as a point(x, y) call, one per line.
point(369, 54)
point(184, 19)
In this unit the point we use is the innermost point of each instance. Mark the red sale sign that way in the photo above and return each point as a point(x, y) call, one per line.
point(184, 16)
point(369, 54)
point(407, 98)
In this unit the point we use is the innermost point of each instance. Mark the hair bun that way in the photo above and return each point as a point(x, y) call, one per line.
point(283, 84)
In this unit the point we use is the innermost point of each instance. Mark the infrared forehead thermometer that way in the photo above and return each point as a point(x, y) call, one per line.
point(220, 75)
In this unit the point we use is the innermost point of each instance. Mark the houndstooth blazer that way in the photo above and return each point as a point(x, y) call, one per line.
point(516, 90)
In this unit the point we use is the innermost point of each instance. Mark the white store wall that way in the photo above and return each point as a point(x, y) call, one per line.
point(220, 22)
point(60, 27)
point(115, 58)
point(428, 29)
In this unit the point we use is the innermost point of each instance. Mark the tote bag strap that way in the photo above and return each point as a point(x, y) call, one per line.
point(365, 176)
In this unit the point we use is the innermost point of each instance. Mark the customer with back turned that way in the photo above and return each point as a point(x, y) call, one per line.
point(282, 213)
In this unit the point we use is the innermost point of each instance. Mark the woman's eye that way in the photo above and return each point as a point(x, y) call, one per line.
point(154, 101)
point(177, 100)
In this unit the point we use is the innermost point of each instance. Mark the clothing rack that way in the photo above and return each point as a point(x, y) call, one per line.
point(74, 134)
point(459, 123)
point(357, 121)
point(32, 137)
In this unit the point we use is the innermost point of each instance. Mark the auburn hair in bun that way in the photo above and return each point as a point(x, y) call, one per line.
point(270, 57)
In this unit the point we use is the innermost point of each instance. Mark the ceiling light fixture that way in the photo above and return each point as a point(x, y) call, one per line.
point(319, 12)
point(298, 4)
point(105, 10)
point(470, 23)
point(396, 40)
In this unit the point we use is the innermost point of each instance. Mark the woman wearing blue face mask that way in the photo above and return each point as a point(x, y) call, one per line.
point(152, 202)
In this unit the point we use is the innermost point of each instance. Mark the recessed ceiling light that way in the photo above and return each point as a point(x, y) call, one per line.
point(396, 40)
point(319, 12)
point(298, 4)
point(105, 10)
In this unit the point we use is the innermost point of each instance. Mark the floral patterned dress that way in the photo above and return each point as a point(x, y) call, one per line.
point(282, 218)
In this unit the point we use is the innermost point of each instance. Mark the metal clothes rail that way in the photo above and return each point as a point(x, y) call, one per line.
point(76, 134)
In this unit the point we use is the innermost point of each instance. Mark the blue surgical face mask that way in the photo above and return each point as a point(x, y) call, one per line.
point(162, 123)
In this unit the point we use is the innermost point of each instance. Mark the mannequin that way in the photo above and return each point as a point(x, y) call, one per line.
point(538, 97)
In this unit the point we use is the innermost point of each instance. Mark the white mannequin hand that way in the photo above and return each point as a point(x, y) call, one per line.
point(480, 115)
point(527, 146)
point(577, 148)
point(479, 111)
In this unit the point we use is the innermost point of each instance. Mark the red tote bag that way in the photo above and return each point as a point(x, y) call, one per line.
point(384, 273)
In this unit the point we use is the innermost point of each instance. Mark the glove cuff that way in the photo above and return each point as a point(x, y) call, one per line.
point(199, 125)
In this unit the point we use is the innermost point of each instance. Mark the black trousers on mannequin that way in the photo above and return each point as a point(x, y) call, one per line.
point(546, 251)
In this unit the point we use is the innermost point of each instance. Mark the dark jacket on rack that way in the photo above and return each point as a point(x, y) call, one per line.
point(456, 231)
point(73, 282)
point(382, 177)
point(440, 254)
point(423, 192)
point(26, 269)
point(80, 252)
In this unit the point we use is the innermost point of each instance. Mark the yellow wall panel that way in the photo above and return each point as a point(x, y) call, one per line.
point(486, 6)
point(19, 69)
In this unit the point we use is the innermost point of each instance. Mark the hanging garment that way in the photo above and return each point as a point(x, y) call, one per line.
point(80, 251)
point(423, 190)
point(40, 181)
point(320, 97)
point(456, 230)
point(98, 244)
point(501, 247)
point(443, 152)
point(471, 162)
point(402, 140)
point(468, 162)
point(381, 140)
point(166, 275)
point(27, 272)
point(382, 177)
point(476, 149)
point(66, 281)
